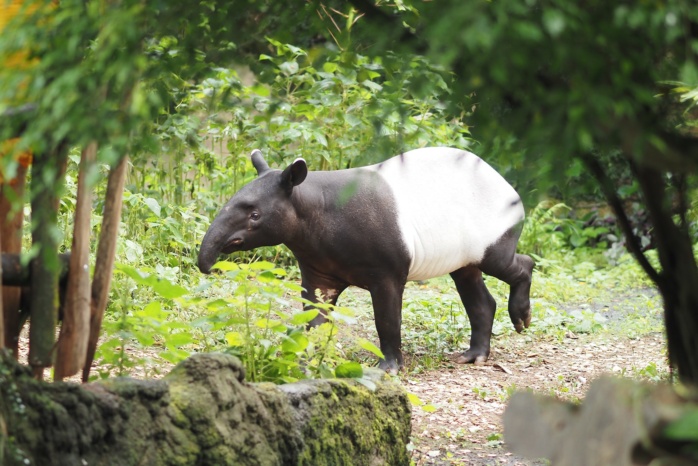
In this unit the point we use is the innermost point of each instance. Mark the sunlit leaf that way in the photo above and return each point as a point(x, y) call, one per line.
point(261, 265)
point(226, 266)
point(349, 370)
point(429, 408)
point(369, 346)
point(235, 339)
point(414, 399)
point(294, 343)
point(301, 318)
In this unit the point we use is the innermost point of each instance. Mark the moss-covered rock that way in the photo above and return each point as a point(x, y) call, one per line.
point(202, 413)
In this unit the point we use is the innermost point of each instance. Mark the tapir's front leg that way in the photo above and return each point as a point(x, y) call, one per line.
point(387, 308)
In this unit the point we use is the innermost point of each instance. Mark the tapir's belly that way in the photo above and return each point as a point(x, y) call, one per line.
point(451, 207)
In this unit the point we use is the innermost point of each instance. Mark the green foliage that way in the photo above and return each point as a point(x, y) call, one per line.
point(561, 78)
point(255, 322)
point(684, 432)
point(334, 109)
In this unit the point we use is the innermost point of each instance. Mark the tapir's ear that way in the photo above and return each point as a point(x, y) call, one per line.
point(294, 174)
point(258, 161)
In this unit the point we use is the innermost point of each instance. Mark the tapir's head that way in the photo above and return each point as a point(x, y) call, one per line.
point(260, 214)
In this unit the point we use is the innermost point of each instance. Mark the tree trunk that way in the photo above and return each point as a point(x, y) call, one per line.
point(75, 331)
point(104, 263)
point(678, 279)
point(47, 178)
point(204, 413)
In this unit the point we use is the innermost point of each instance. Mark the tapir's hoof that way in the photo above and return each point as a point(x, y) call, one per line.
point(471, 357)
point(524, 321)
point(390, 367)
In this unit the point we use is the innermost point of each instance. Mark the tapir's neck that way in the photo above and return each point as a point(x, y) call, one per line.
point(317, 205)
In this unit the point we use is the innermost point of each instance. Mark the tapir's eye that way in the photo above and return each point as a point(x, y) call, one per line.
point(254, 215)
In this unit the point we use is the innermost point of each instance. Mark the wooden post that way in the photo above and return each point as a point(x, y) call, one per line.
point(47, 176)
point(104, 263)
point(11, 219)
point(75, 331)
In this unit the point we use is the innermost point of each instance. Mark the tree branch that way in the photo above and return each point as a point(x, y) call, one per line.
point(616, 204)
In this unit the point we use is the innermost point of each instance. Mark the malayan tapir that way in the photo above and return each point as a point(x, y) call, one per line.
point(418, 215)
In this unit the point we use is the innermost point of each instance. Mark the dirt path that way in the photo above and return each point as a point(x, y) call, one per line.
point(466, 429)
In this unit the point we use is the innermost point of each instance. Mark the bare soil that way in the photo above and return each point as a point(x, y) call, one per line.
point(466, 428)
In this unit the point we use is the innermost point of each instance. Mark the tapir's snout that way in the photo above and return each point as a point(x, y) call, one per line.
point(204, 265)
point(209, 251)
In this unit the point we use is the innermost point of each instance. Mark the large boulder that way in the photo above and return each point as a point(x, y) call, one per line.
point(202, 413)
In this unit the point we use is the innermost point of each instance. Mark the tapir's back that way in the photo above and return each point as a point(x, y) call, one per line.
point(451, 207)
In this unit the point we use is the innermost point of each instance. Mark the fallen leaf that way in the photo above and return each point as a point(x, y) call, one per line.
point(502, 368)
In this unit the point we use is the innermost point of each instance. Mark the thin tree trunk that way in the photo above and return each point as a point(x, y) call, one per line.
point(75, 331)
point(105, 257)
point(678, 281)
point(47, 178)
point(678, 278)
point(12, 243)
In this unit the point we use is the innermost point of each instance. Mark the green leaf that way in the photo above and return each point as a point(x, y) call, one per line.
point(269, 323)
point(289, 68)
point(262, 265)
point(685, 427)
point(342, 317)
point(304, 317)
point(554, 22)
point(367, 383)
point(260, 90)
point(152, 309)
point(168, 290)
point(235, 339)
point(414, 399)
point(153, 205)
point(329, 67)
point(161, 286)
point(368, 346)
point(178, 339)
point(429, 408)
point(375, 87)
point(294, 343)
point(225, 266)
point(349, 370)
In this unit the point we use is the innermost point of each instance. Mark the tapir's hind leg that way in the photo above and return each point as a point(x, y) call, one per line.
point(480, 306)
point(502, 262)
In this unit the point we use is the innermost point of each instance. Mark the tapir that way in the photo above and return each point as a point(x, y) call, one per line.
point(419, 215)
